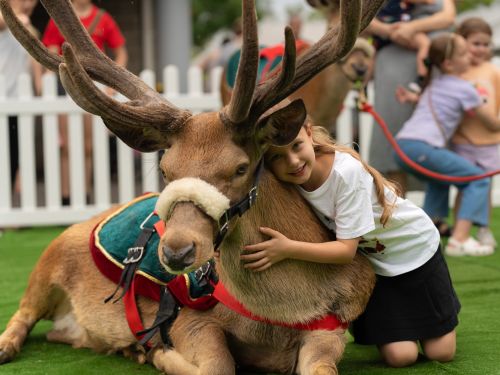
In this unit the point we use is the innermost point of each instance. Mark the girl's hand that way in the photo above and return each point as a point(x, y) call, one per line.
point(404, 95)
point(267, 253)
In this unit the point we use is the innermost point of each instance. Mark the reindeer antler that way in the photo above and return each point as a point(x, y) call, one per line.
point(84, 62)
point(246, 76)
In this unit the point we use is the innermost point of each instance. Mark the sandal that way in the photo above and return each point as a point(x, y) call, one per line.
point(444, 229)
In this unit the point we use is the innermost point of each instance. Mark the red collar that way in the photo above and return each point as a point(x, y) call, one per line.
point(329, 322)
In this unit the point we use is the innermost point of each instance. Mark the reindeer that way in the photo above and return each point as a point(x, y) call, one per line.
point(210, 166)
point(324, 94)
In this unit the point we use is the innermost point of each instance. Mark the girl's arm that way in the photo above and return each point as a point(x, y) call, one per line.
point(264, 254)
point(486, 117)
point(403, 95)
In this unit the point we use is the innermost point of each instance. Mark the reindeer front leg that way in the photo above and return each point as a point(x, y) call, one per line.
point(200, 347)
point(320, 352)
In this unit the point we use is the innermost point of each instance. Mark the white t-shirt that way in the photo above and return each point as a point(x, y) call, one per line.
point(347, 204)
point(14, 60)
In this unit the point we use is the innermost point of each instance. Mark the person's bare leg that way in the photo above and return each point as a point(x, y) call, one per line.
point(64, 139)
point(462, 229)
point(442, 348)
point(400, 353)
point(422, 44)
point(87, 126)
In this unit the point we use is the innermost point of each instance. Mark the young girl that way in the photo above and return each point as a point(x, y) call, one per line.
point(413, 300)
point(424, 138)
point(474, 141)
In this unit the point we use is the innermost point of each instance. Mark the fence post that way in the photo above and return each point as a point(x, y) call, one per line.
point(26, 136)
point(51, 150)
point(5, 189)
point(195, 81)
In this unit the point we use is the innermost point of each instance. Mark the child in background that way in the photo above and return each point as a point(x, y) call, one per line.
point(106, 34)
point(473, 140)
point(15, 61)
point(365, 212)
point(425, 136)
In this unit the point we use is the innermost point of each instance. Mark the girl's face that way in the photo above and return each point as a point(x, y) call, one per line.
point(479, 46)
point(460, 60)
point(293, 163)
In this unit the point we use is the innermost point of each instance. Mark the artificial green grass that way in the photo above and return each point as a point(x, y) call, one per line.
point(476, 280)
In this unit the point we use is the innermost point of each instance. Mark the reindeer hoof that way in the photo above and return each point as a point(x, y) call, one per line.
point(4, 357)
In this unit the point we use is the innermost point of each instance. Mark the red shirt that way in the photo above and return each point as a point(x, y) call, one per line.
point(106, 33)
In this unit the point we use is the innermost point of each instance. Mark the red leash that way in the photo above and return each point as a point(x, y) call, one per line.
point(366, 107)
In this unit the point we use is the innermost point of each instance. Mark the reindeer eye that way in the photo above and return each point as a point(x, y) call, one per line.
point(242, 170)
point(164, 175)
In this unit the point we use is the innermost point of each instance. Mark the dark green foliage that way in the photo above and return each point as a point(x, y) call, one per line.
point(463, 5)
point(210, 16)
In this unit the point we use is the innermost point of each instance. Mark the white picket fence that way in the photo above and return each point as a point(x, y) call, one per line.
point(39, 202)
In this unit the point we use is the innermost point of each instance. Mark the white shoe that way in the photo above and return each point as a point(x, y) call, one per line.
point(470, 246)
point(485, 237)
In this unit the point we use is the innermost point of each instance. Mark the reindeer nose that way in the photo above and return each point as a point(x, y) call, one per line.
point(180, 259)
point(360, 70)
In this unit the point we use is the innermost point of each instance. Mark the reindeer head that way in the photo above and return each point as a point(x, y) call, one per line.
point(211, 158)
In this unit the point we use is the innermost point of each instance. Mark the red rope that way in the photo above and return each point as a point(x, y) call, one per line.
point(366, 107)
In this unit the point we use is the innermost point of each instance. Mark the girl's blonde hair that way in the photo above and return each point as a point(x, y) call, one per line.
point(325, 144)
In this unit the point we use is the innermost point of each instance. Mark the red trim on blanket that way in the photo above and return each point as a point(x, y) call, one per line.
point(143, 286)
point(328, 322)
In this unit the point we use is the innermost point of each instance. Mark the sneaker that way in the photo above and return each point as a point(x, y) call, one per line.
point(485, 237)
point(470, 246)
point(415, 88)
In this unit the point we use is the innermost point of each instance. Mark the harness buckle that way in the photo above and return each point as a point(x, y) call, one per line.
point(202, 272)
point(134, 255)
point(223, 229)
point(146, 220)
point(252, 196)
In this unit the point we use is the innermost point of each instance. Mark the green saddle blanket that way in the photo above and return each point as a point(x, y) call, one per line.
point(114, 235)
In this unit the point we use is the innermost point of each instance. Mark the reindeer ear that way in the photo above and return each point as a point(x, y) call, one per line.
point(282, 126)
point(141, 139)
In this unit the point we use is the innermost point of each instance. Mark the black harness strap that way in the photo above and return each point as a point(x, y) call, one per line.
point(239, 208)
point(134, 257)
point(167, 312)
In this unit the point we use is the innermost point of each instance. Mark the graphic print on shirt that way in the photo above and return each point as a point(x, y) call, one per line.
point(372, 246)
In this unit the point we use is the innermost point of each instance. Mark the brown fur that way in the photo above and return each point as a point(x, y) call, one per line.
point(65, 283)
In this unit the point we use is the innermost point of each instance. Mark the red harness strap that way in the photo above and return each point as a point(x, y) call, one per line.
point(131, 311)
point(329, 322)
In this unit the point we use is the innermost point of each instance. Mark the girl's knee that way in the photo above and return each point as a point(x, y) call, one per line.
point(441, 356)
point(441, 349)
point(399, 354)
